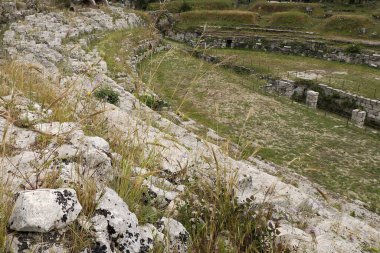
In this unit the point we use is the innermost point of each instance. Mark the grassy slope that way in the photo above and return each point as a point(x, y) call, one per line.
point(353, 78)
point(319, 146)
point(220, 18)
point(175, 6)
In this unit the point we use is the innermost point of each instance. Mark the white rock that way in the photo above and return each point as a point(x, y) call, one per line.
point(56, 128)
point(44, 209)
point(113, 223)
point(177, 234)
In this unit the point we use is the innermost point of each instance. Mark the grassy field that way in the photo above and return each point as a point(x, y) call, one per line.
point(342, 158)
point(357, 79)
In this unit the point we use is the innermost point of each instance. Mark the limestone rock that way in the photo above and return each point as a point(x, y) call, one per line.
point(24, 242)
point(56, 128)
point(177, 234)
point(44, 209)
point(114, 224)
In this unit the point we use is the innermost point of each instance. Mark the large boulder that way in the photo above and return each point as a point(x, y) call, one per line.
point(44, 209)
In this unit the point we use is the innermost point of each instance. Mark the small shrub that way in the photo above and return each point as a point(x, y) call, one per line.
point(304, 82)
point(218, 223)
point(185, 7)
point(353, 49)
point(107, 94)
point(152, 102)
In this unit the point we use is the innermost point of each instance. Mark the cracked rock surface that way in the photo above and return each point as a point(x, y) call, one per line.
point(114, 223)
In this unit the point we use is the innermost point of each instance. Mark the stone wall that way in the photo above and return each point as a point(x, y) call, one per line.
point(332, 99)
point(311, 48)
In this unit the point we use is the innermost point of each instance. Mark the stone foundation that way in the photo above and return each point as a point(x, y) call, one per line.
point(343, 102)
point(311, 48)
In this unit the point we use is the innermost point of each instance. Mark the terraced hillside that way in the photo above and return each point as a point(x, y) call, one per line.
point(326, 19)
point(114, 139)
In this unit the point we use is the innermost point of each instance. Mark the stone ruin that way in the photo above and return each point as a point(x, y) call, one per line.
point(358, 117)
point(371, 107)
point(312, 99)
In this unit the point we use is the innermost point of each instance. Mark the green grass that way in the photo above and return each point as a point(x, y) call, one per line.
point(270, 8)
point(116, 47)
point(314, 144)
point(175, 6)
point(290, 19)
point(215, 215)
point(222, 18)
point(356, 79)
point(349, 24)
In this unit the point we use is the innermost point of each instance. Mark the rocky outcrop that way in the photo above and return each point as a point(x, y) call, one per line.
point(39, 40)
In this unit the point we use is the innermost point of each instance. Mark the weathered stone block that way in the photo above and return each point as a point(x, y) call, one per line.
point(312, 98)
point(358, 117)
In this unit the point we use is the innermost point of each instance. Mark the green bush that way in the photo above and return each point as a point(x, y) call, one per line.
point(353, 49)
point(107, 94)
point(152, 102)
point(290, 19)
point(185, 7)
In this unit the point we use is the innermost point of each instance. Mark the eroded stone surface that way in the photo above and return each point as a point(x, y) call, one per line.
point(176, 233)
point(44, 209)
point(114, 224)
